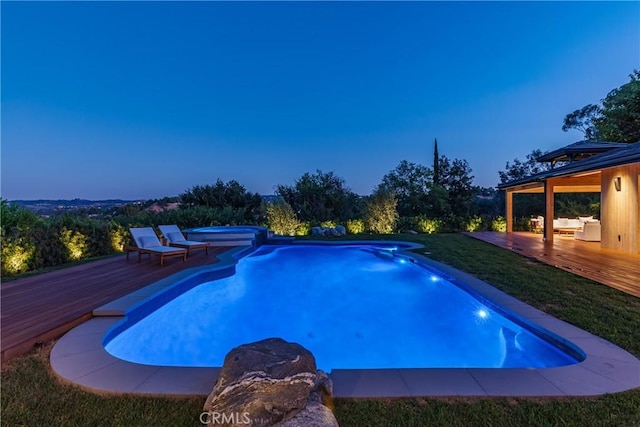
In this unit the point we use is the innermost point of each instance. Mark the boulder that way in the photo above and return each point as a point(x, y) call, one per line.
point(341, 230)
point(330, 231)
point(313, 415)
point(266, 382)
point(317, 231)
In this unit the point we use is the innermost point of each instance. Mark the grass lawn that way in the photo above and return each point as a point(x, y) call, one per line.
point(30, 395)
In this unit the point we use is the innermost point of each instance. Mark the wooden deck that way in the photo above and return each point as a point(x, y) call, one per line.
point(616, 269)
point(43, 307)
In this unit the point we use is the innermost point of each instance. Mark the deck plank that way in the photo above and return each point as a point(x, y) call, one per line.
point(43, 307)
point(616, 269)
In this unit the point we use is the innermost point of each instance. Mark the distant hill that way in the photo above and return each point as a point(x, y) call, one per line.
point(50, 207)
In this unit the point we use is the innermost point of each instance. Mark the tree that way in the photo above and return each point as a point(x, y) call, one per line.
point(458, 184)
point(582, 120)
point(411, 184)
point(436, 163)
point(224, 195)
point(519, 169)
point(617, 119)
point(321, 197)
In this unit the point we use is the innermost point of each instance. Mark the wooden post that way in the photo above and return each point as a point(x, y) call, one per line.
point(548, 211)
point(509, 211)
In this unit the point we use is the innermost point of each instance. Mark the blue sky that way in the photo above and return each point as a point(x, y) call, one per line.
point(140, 100)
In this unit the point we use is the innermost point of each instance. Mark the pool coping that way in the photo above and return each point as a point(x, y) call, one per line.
point(79, 356)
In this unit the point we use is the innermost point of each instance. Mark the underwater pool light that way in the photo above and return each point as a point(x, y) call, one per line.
point(482, 313)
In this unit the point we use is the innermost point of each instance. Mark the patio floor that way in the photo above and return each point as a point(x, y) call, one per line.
point(43, 307)
point(616, 269)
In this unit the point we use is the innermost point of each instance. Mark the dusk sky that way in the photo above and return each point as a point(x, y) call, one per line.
point(139, 100)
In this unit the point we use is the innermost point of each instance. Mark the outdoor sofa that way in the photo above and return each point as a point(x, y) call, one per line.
point(590, 232)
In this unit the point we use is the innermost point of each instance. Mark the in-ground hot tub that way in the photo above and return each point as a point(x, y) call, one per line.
point(236, 235)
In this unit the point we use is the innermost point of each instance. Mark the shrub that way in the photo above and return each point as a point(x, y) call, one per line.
point(429, 225)
point(303, 229)
point(16, 257)
point(282, 219)
point(49, 248)
point(29, 242)
point(380, 213)
point(474, 224)
point(499, 224)
point(75, 242)
point(118, 236)
point(355, 226)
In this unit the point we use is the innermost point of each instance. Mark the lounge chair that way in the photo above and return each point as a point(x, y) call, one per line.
point(176, 239)
point(147, 243)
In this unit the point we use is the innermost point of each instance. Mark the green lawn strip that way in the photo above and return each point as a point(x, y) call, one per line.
point(622, 409)
point(30, 394)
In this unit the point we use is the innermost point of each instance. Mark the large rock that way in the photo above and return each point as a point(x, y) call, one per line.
point(266, 382)
point(313, 415)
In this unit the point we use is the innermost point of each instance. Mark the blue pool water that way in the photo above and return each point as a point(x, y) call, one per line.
point(353, 307)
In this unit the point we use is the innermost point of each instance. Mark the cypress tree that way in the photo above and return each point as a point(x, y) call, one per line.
point(436, 164)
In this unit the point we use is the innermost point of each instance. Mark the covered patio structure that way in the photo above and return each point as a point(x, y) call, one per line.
point(615, 174)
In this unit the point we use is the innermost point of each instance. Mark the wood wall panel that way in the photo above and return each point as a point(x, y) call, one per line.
point(619, 210)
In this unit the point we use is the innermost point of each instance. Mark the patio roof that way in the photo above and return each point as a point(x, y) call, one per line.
point(579, 150)
point(626, 154)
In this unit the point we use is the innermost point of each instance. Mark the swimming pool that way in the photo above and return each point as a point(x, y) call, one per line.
point(353, 306)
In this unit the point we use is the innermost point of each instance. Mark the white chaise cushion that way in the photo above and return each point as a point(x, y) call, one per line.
point(149, 241)
point(175, 237)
